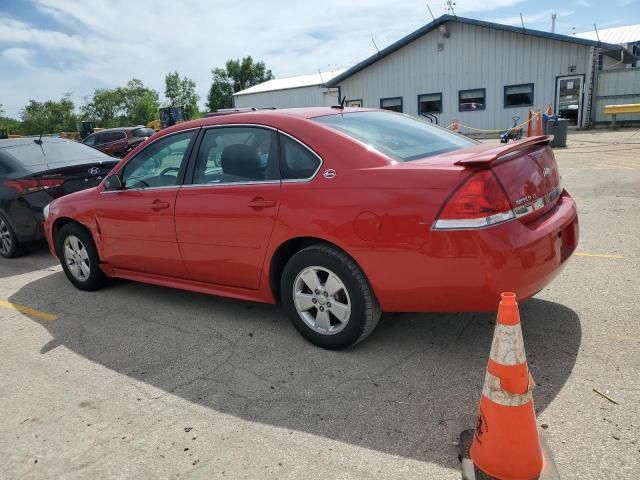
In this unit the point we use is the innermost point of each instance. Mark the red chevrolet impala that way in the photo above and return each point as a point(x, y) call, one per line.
point(339, 214)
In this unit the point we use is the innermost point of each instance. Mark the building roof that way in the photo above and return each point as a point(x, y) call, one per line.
point(618, 35)
point(470, 21)
point(292, 82)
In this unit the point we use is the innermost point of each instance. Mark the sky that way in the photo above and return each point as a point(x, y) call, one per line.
point(52, 47)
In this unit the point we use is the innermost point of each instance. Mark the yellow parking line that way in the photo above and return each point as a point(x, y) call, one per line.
point(32, 312)
point(598, 255)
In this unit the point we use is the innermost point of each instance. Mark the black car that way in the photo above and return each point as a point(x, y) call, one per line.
point(34, 172)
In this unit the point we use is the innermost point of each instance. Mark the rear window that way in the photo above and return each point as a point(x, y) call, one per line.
point(401, 137)
point(30, 155)
point(143, 132)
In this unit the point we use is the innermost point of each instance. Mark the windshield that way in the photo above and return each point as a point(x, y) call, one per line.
point(143, 132)
point(32, 154)
point(401, 137)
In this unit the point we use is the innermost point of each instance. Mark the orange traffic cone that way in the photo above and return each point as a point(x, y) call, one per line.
point(455, 125)
point(529, 123)
point(549, 110)
point(539, 123)
point(506, 443)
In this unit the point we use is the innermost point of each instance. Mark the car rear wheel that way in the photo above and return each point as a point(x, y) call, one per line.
point(79, 257)
point(327, 298)
point(9, 245)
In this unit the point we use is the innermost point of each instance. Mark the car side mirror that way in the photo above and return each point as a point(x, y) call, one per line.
point(113, 182)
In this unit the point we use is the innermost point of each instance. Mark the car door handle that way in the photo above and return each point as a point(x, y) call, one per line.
point(261, 203)
point(159, 205)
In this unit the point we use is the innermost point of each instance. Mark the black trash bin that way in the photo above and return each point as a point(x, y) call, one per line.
point(558, 128)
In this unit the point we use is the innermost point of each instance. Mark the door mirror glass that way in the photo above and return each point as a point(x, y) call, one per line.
point(113, 182)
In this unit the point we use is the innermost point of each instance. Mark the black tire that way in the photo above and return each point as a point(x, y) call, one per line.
point(365, 309)
point(96, 278)
point(9, 245)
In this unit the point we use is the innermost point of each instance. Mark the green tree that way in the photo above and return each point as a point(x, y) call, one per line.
point(236, 76)
point(133, 104)
point(49, 116)
point(181, 92)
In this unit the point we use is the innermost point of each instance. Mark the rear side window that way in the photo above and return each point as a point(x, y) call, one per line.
point(102, 138)
point(400, 137)
point(114, 136)
point(298, 162)
point(49, 153)
point(237, 155)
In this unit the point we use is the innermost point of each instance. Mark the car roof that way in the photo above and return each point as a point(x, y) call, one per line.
point(118, 129)
point(265, 116)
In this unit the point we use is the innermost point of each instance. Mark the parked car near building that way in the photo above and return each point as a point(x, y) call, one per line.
point(337, 213)
point(117, 142)
point(35, 171)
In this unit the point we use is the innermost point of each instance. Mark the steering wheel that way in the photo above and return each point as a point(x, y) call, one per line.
point(169, 169)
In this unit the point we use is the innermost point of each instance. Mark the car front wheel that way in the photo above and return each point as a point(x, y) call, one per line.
point(328, 298)
point(79, 257)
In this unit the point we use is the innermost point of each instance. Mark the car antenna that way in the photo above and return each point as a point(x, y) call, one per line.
point(38, 140)
point(341, 105)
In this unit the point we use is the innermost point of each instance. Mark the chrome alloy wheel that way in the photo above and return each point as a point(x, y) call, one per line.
point(322, 300)
point(76, 258)
point(5, 238)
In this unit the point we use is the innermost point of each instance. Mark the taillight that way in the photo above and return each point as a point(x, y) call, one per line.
point(479, 202)
point(30, 186)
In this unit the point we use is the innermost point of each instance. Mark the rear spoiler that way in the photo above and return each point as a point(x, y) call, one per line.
point(487, 157)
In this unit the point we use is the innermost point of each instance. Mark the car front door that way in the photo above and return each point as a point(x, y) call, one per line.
point(224, 219)
point(136, 223)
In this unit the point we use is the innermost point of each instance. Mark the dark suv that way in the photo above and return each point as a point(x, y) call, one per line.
point(118, 142)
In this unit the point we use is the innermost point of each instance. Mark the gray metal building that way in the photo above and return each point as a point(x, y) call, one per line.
point(480, 73)
point(299, 91)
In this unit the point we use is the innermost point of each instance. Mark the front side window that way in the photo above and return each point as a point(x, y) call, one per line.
point(471, 100)
point(159, 164)
point(394, 104)
point(400, 137)
point(298, 162)
point(518, 95)
point(237, 155)
point(90, 140)
point(430, 103)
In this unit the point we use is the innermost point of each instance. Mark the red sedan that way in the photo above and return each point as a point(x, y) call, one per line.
point(339, 214)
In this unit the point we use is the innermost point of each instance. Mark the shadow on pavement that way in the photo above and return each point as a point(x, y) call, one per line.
point(36, 257)
point(408, 390)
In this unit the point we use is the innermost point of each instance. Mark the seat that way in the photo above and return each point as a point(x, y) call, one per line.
point(241, 161)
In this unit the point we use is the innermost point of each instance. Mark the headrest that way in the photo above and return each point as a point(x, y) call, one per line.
point(242, 161)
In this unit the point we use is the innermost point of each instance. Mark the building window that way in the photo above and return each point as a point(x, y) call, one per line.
point(430, 103)
point(518, 95)
point(394, 104)
point(354, 103)
point(470, 100)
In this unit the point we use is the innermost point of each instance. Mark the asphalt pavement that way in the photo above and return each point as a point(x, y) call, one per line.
point(138, 381)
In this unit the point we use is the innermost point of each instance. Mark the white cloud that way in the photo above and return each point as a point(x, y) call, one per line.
point(21, 56)
point(583, 3)
point(107, 43)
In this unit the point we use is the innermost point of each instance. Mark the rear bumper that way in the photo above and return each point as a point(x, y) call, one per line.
point(464, 271)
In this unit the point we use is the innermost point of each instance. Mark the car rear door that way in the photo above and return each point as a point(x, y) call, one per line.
point(136, 223)
point(114, 143)
point(225, 217)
